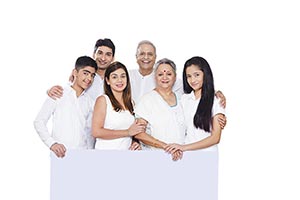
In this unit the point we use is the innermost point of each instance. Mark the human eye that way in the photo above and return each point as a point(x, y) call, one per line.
point(113, 76)
point(109, 54)
point(123, 76)
point(141, 54)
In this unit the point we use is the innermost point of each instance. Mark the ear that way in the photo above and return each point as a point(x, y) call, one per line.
point(107, 81)
point(74, 72)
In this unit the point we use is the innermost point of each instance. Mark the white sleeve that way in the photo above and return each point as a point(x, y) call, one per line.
point(217, 108)
point(41, 120)
point(143, 109)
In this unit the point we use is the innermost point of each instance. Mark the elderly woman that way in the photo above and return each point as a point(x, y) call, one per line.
point(160, 110)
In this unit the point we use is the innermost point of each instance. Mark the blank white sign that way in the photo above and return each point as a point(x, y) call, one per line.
point(140, 175)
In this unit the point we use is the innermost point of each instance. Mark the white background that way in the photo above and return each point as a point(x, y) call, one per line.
point(253, 49)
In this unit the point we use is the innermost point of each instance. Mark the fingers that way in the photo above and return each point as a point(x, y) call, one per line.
point(59, 150)
point(135, 146)
point(222, 121)
point(136, 128)
point(55, 92)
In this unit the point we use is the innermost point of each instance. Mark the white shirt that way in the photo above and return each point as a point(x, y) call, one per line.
point(166, 123)
point(71, 117)
point(190, 104)
point(121, 120)
point(97, 88)
point(141, 85)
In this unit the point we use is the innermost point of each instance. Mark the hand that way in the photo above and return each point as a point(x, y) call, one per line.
point(177, 155)
point(222, 121)
point(135, 146)
point(55, 92)
point(222, 98)
point(172, 148)
point(59, 150)
point(136, 128)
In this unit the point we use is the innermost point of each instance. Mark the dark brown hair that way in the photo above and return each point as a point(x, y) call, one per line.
point(126, 93)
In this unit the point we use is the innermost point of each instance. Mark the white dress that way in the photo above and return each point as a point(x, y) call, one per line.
point(116, 121)
point(193, 134)
point(165, 123)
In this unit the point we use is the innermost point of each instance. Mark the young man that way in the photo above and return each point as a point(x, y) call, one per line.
point(71, 113)
point(104, 52)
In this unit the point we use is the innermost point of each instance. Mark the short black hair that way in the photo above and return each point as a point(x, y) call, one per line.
point(84, 61)
point(105, 42)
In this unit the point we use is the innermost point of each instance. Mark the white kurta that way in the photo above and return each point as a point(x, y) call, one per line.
point(166, 123)
point(190, 104)
point(141, 85)
point(97, 88)
point(71, 124)
point(116, 121)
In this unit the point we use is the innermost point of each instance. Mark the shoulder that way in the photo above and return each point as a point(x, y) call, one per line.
point(101, 99)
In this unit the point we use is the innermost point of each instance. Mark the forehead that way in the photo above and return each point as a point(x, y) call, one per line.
point(104, 49)
point(118, 71)
point(146, 48)
point(164, 67)
point(193, 68)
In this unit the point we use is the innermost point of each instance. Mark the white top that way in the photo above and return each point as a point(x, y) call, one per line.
point(116, 121)
point(190, 104)
point(97, 88)
point(165, 123)
point(71, 117)
point(141, 85)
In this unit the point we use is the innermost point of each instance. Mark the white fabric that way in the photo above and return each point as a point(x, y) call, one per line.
point(141, 85)
point(96, 89)
point(166, 123)
point(116, 121)
point(71, 124)
point(190, 104)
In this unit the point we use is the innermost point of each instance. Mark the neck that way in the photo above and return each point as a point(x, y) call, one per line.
point(77, 89)
point(145, 72)
point(164, 91)
point(118, 96)
point(197, 93)
point(101, 72)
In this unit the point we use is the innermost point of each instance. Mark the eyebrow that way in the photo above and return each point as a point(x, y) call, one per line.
point(85, 70)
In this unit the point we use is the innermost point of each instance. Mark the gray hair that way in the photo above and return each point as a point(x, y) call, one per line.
point(165, 61)
point(145, 42)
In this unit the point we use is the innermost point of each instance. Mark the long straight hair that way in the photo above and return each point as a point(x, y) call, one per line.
point(126, 93)
point(203, 115)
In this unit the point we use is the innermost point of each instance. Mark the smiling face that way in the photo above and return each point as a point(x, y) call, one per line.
point(103, 57)
point(84, 77)
point(117, 80)
point(195, 77)
point(165, 76)
point(146, 57)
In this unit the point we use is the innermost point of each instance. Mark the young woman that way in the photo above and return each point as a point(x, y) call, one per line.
point(113, 123)
point(201, 108)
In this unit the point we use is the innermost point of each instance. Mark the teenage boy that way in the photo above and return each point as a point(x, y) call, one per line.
point(71, 114)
